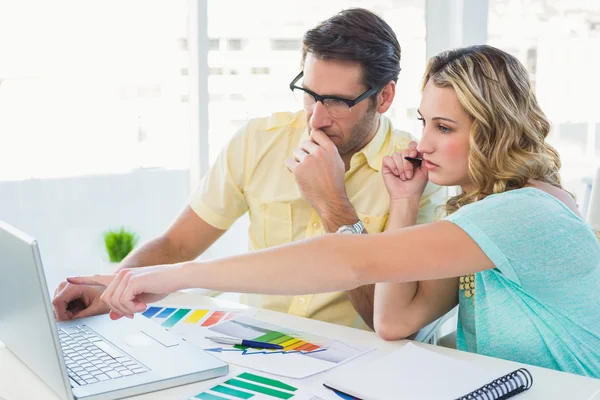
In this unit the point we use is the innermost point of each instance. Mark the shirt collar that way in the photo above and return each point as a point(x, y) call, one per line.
point(376, 149)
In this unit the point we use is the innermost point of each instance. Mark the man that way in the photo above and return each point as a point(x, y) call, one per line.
point(298, 174)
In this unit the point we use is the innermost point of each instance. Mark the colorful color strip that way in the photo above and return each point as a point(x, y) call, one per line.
point(271, 337)
point(266, 381)
point(268, 337)
point(195, 316)
point(289, 343)
point(175, 318)
point(166, 312)
point(214, 318)
point(208, 396)
point(149, 313)
point(281, 339)
point(259, 389)
point(232, 392)
point(295, 346)
point(307, 347)
point(230, 316)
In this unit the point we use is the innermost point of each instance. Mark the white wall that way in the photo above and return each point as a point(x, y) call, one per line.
point(67, 216)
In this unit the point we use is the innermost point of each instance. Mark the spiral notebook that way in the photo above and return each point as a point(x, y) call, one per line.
point(416, 373)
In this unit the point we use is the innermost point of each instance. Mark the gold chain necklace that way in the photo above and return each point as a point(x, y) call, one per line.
point(467, 284)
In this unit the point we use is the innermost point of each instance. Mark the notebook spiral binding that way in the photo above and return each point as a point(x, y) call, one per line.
point(504, 387)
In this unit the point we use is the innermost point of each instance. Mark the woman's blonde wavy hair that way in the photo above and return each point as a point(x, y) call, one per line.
point(507, 139)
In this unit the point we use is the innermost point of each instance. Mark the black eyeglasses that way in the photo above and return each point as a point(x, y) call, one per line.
point(336, 106)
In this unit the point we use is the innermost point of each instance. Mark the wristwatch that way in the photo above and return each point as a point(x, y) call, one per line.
point(354, 229)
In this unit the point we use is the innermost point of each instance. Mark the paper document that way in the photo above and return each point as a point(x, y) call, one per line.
point(303, 354)
point(412, 373)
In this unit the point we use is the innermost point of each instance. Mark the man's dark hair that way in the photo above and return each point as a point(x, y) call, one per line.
point(360, 36)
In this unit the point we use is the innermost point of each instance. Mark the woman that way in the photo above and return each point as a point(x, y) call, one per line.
point(528, 266)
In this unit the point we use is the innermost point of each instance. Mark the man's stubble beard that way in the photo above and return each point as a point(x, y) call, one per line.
point(359, 133)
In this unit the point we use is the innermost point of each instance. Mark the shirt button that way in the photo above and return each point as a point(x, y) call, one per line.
point(367, 220)
point(302, 300)
point(315, 225)
point(263, 207)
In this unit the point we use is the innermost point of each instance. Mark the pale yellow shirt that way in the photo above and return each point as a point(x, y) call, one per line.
point(250, 175)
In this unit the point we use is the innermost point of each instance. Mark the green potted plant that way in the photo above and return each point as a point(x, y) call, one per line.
point(119, 243)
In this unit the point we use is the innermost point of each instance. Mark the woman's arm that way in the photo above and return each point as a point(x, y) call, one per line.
point(322, 264)
point(403, 213)
point(337, 262)
point(395, 320)
point(401, 309)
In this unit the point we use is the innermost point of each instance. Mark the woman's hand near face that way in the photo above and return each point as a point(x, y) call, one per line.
point(131, 289)
point(403, 180)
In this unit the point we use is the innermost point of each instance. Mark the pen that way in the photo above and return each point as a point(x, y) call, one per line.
point(244, 342)
point(415, 161)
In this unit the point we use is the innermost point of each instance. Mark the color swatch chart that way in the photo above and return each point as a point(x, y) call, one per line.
point(303, 354)
point(251, 386)
point(169, 317)
point(289, 343)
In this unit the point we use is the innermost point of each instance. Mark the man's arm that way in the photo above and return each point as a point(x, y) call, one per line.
point(319, 171)
point(361, 297)
point(187, 238)
point(220, 200)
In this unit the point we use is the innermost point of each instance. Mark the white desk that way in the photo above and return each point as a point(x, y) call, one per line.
point(17, 382)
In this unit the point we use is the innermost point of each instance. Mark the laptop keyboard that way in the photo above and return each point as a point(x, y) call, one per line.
point(91, 359)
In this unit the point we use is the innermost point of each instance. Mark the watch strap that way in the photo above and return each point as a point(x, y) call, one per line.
point(356, 228)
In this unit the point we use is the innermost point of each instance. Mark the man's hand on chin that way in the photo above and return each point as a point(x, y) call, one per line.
point(319, 171)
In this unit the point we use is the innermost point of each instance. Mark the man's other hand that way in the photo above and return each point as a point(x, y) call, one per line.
point(78, 301)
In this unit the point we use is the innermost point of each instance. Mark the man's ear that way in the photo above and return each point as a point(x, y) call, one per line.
point(386, 97)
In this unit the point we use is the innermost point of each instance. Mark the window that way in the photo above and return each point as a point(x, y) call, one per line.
point(93, 125)
point(234, 44)
point(237, 97)
point(597, 152)
point(216, 71)
point(286, 44)
point(558, 42)
point(183, 43)
point(213, 44)
point(260, 70)
point(90, 89)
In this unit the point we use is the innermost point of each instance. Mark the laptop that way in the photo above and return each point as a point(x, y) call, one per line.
point(89, 358)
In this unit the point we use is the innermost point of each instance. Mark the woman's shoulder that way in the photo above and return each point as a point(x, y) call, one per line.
point(527, 216)
point(527, 201)
point(559, 194)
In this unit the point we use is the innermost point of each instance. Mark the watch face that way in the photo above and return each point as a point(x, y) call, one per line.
point(348, 229)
